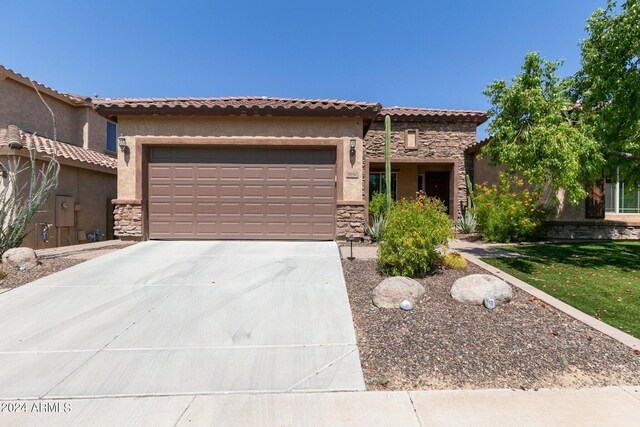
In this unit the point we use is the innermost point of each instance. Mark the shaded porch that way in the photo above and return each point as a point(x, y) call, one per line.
point(437, 178)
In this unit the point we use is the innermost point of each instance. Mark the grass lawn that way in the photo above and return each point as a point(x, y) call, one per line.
point(600, 279)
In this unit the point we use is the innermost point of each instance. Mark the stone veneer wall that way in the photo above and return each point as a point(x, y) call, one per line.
point(350, 221)
point(435, 140)
point(128, 221)
point(601, 230)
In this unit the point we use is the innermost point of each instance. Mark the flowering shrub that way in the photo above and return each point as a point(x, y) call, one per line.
point(414, 230)
point(508, 212)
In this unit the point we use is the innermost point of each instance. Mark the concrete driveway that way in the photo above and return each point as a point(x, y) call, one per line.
point(180, 318)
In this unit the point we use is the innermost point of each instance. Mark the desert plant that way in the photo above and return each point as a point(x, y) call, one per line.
point(414, 231)
point(468, 221)
point(376, 229)
point(19, 203)
point(470, 202)
point(508, 212)
point(387, 159)
point(454, 261)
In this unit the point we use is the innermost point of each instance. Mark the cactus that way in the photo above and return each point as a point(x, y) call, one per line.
point(387, 158)
point(471, 204)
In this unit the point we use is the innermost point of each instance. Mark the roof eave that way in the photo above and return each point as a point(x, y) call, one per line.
point(115, 111)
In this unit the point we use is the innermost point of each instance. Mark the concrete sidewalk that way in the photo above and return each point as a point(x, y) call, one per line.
point(610, 406)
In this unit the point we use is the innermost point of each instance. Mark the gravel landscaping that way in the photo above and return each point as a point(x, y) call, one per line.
point(443, 344)
point(15, 278)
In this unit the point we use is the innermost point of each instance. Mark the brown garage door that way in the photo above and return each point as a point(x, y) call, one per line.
point(241, 193)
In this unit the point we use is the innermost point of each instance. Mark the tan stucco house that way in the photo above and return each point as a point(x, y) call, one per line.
point(275, 168)
point(80, 209)
point(611, 211)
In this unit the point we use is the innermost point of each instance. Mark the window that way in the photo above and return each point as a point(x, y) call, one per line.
point(112, 136)
point(377, 184)
point(411, 138)
point(621, 198)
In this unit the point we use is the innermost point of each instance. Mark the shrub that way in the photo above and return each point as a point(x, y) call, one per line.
point(454, 261)
point(378, 205)
point(2, 274)
point(468, 221)
point(414, 230)
point(376, 229)
point(508, 212)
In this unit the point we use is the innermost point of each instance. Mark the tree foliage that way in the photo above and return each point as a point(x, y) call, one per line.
point(535, 132)
point(608, 84)
point(565, 132)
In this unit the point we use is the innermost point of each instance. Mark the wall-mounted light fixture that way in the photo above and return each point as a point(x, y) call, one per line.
point(352, 147)
point(352, 151)
point(122, 143)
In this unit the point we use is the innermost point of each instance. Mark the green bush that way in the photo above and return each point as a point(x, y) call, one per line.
point(454, 261)
point(378, 205)
point(414, 230)
point(508, 212)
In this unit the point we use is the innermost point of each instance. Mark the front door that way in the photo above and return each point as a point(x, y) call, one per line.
point(436, 184)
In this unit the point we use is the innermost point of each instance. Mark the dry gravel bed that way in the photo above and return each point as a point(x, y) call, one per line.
point(443, 344)
point(15, 278)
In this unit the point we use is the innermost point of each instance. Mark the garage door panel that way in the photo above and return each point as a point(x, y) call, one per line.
point(241, 193)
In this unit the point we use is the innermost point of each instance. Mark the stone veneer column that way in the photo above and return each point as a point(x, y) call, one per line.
point(350, 220)
point(127, 219)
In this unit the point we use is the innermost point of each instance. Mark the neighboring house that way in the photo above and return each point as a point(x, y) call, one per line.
point(80, 209)
point(611, 211)
point(276, 168)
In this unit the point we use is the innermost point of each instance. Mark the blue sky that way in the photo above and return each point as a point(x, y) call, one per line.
point(413, 53)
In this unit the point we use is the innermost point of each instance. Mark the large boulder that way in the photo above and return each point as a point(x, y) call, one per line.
point(20, 257)
point(393, 290)
point(473, 289)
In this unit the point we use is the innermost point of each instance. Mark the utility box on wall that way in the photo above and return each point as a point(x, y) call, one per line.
point(65, 211)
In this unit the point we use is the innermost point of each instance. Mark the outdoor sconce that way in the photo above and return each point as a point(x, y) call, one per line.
point(352, 151)
point(122, 143)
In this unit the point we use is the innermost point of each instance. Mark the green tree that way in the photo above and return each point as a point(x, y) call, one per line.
point(608, 84)
point(566, 132)
point(535, 130)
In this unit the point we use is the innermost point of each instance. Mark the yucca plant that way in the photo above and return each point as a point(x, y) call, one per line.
point(468, 222)
point(376, 229)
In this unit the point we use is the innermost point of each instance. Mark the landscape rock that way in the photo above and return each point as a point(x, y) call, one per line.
point(393, 290)
point(20, 257)
point(473, 289)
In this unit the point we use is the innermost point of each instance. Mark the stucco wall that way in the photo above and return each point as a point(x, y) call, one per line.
point(446, 141)
point(21, 106)
point(134, 127)
point(91, 190)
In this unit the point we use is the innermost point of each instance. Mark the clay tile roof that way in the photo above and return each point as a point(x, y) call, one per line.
point(473, 148)
point(247, 105)
point(76, 100)
point(430, 114)
point(63, 149)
